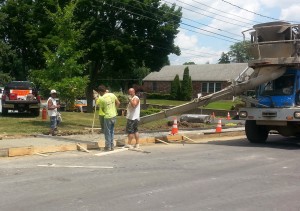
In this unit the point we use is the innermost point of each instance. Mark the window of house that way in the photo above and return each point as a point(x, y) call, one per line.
point(211, 87)
point(154, 86)
point(218, 87)
point(204, 87)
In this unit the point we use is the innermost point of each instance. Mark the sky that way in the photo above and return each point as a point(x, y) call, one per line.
point(210, 27)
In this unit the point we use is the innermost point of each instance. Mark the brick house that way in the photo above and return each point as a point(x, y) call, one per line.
point(206, 78)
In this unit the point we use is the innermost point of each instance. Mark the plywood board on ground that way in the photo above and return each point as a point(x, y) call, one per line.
point(57, 148)
point(20, 151)
point(142, 141)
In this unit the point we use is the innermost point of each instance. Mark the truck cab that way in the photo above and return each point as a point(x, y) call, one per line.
point(282, 92)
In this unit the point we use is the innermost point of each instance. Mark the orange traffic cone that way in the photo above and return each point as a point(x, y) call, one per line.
point(174, 127)
point(228, 116)
point(219, 127)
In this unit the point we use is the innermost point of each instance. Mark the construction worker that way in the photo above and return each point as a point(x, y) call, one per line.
point(109, 103)
point(133, 118)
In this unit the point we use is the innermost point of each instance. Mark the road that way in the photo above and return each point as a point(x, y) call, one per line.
point(218, 175)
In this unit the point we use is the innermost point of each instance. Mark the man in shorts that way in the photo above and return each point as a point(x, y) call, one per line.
point(133, 117)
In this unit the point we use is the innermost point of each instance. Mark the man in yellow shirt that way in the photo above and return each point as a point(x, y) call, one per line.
point(109, 103)
point(101, 113)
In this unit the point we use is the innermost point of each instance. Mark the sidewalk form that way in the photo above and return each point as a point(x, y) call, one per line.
point(39, 144)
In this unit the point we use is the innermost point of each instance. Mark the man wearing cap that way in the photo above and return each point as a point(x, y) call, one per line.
point(52, 112)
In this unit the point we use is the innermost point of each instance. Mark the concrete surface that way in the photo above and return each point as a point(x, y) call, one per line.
point(45, 143)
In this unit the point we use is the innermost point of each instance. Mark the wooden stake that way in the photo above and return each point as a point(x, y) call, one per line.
point(82, 148)
point(188, 138)
point(40, 154)
point(162, 141)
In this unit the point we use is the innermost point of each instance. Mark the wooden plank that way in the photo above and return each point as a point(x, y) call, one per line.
point(57, 148)
point(174, 138)
point(188, 138)
point(162, 141)
point(82, 148)
point(41, 154)
point(19, 151)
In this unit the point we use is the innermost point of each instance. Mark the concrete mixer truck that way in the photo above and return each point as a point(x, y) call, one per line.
point(274, 74)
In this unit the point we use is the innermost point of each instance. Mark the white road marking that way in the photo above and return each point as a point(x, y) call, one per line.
point(111, 152)
point(61, 166)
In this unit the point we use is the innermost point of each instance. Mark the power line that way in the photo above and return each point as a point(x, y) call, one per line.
point(126, 10)
point(209, 31)
point(225, 12)
point(252, 11)
point(206, 34)
point(186, 19)
point(204, 14)
point(212, 13)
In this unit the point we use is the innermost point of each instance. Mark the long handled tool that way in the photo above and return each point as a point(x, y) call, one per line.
point(94, 119)
point(96, 95)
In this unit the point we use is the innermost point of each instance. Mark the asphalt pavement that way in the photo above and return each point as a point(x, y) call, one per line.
point(217, 175)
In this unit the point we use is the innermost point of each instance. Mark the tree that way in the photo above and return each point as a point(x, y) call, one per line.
point(186, 90)
point(175, 88)
point(239, 52)
point(125, 35)
point(63, 70)
point(23, 25)
point(224, 58)
point(5, 78)
point(140, 73)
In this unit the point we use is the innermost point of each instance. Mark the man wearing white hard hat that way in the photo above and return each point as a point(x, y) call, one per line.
point(52, 112)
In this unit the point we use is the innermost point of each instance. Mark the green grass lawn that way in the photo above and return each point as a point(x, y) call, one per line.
point(73, 122)
point(165, 102)
point(222, 104)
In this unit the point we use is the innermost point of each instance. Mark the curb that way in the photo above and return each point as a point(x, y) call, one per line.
point(38, 150)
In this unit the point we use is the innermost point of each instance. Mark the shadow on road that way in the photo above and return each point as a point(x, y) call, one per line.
point(277, 142)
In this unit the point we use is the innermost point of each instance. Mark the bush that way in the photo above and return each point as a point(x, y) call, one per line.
point(149, 111)
point(158, 96)
point(122, 98)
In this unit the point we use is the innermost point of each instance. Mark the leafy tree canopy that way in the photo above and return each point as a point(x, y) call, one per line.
point(239, 52)
point(224, 58)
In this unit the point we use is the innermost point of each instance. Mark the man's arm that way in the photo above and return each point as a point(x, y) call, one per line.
point(117, 102)
point(134, 101)
point(51, 106)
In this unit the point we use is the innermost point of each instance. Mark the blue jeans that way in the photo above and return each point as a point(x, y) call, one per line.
point(54, 122)
point(109, 126)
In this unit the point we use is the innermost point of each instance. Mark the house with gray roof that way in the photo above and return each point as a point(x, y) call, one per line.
point(206, 78)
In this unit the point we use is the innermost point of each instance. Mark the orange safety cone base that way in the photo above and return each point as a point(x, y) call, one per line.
point(174, 127)
point(219, 127)
point(228, 116)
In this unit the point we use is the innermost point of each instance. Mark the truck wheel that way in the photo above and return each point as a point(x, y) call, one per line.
point(4, 111)
point(256, 133)
point(35, 112)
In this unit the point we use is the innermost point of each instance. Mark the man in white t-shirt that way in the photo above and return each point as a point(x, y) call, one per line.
point(133, 118)
point(52, 112)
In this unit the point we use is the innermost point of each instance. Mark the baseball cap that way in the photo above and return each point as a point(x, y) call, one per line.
point(53, 91)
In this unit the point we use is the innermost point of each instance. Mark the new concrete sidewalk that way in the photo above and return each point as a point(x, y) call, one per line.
point(39, 144)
